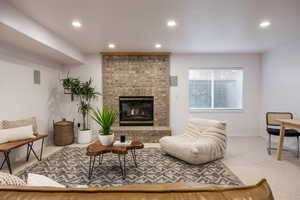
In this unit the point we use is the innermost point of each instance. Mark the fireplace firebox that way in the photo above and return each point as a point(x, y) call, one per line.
point(136, 110)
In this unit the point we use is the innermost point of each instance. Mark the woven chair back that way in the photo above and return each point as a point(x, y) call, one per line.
point(272, 117)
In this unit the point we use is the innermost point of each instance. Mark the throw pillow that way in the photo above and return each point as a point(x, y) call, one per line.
point(37, 180)
point(19, 123)
point(13, 134)
point(10, 180)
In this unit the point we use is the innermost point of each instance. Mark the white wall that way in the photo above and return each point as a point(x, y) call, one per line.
point(244, 123)
point(281, 82)
point(19, 97)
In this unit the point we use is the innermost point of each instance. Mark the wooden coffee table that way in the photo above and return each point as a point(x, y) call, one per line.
point(96, 149)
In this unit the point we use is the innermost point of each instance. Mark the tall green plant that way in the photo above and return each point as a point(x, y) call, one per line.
point(84, 91)
point(86, 94)
point(104, 118)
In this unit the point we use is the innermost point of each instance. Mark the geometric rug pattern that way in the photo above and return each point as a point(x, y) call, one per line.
point(70, 165)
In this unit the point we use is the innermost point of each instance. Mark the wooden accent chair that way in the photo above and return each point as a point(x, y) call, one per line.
point(273, 128)
point(7, 147)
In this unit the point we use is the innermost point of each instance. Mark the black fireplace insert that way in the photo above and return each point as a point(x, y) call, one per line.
point(136, 110)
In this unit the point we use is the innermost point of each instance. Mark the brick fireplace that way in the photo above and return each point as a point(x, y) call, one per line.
point(137, 85)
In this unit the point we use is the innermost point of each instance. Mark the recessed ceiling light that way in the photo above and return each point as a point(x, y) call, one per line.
point(76, 24)
point(158, 46)
point(171, 23)
point(265, 24)
point(111, 46)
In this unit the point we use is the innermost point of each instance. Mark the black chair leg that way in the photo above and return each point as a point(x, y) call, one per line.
point(270, 143)
point(297, 146)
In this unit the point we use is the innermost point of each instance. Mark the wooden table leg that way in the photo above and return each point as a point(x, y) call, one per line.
point(42, 147)
point(280, 143)
point(101, 158)
point(30, 147)
point(91, 165)
point(4, 160)
point(7, 160)
point(121, 167)
point(124, 167)
point(134, 156)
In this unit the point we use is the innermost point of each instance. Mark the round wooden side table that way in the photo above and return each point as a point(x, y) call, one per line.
point(96, 149)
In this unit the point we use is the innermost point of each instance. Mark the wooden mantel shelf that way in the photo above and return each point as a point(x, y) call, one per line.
point(121, 53)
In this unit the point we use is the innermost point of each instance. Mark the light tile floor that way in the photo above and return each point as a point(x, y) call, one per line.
point(248, 159)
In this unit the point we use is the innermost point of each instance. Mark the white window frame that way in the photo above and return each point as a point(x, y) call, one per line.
point(212, 109)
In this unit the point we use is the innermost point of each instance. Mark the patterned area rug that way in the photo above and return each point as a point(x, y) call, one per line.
point(70, 165)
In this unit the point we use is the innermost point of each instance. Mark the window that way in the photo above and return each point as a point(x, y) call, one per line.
point(215, 88)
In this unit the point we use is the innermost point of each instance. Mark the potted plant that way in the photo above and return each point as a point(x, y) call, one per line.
point(85, 92)
point(71, 86)
point(105, 119)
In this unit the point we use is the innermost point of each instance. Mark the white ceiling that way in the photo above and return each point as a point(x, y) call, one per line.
point(9, 36)
point(136, 25)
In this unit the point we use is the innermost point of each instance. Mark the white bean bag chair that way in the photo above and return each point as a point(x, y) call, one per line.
point(203, 141)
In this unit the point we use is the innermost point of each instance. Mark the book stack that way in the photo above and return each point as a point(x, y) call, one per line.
point(122, 144)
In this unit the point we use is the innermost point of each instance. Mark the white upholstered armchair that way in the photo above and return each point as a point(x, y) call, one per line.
point(203, 141)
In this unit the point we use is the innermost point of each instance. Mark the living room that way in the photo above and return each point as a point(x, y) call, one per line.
point(198, 84)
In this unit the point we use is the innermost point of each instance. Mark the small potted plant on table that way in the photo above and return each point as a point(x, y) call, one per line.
point(105, 119)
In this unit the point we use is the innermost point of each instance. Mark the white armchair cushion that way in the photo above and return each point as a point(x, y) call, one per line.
point(13, 134)
point(203, 141)
point(182, 147)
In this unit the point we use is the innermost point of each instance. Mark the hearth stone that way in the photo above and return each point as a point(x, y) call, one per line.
point(144, 134)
